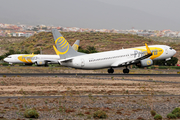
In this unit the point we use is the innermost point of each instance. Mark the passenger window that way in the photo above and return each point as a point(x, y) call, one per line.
point(170, 48)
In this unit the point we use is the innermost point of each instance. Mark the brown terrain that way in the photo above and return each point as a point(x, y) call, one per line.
point(7, 42)
point(76, 94)
point(72, 106)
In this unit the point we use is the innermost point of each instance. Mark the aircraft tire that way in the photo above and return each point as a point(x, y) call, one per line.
point(110, 70)
point(125, 71)
point(46, 65)
point(36, 64)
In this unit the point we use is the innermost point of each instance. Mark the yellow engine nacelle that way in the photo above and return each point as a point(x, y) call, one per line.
point(145, 63)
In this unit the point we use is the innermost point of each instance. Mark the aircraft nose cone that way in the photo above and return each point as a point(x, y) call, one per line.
point(174, 52)
point(5, 60)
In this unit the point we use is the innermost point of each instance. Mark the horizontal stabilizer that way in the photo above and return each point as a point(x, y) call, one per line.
point(76, 45)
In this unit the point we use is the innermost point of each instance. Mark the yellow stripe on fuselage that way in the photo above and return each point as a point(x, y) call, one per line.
point(26, 58)
point(156, 51)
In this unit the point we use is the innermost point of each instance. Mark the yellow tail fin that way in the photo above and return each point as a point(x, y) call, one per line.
point(55, 49)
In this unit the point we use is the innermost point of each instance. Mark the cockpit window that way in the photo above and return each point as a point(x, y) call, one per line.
point(170, 48)
point(9, 57)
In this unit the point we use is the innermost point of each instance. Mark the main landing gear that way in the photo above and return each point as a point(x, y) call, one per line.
point(110, 70)
point(126, 70)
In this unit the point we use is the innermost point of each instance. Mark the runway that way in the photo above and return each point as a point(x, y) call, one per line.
point(36, 97)
point(82, 74)
point(91, 76)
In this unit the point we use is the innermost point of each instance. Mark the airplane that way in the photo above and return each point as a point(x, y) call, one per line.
point(139, 56)
point(37, 59)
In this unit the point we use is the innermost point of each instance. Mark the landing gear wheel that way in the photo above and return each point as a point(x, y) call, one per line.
point(125, 71)
point(110, 70)
point(36, 64)
point(46, 65)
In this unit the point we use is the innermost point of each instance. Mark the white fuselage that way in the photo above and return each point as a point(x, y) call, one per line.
point(97, 60)
point(109, 58)
point(31, 58)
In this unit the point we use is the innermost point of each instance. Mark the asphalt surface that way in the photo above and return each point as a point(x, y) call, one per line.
point(82, 74)
point(20, 97)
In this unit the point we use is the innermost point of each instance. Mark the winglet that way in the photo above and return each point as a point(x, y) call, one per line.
point(148, 50)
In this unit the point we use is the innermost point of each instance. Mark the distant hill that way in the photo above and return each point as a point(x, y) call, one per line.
point(101, 41)
point(6, 43)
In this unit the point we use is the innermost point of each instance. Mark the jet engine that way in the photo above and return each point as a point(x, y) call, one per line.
point(145, 63)
point(39, 63)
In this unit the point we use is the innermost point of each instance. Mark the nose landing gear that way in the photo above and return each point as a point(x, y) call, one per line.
point(110, 70)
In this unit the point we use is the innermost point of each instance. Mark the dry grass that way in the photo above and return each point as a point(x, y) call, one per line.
point(85, 85)
point(70, 107)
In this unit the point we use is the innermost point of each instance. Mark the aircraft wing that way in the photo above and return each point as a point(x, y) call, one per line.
point(132, 61)
point(129, 62)
point(65, 60)
point(50, 60)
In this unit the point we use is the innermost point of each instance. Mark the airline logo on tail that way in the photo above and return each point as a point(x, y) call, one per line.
point(62, 43)
point(75, 47)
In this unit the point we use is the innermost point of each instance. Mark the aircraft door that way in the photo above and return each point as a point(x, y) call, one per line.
point(166, 50)
point(38, 58)
point(82, 62)
point(34, 59)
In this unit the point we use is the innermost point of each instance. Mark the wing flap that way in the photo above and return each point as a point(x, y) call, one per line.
point(129, 62)
point(123, 63)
